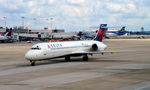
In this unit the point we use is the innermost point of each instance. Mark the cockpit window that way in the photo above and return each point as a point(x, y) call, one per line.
point(35, 48)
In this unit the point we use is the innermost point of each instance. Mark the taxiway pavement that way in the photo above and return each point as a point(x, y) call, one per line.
point(120, 71)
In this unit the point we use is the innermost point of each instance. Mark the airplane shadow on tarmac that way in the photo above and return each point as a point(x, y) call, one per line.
point(57, 61)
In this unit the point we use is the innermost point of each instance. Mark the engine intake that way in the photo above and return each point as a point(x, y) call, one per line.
point(94, 47)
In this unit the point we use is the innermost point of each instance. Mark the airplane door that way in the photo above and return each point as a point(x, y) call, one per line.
point(45, 51)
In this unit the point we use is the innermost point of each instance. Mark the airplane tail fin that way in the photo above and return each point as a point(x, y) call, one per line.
point(122, 29)
point(9, 32)
point(100, 33)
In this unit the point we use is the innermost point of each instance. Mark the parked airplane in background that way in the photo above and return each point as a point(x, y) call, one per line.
point(89, 34)
point(114, 33)
point(6, 37)
point(67, 49)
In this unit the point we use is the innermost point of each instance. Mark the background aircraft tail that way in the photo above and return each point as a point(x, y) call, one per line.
point(9, 32)
point(122, 29)
point(100, 33)
point(121, 32)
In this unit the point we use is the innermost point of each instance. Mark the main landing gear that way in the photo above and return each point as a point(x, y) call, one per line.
point(85, 58)
point(32, 63)
point(67, 58)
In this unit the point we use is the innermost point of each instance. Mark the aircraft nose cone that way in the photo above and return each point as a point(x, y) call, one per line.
point(29, 55)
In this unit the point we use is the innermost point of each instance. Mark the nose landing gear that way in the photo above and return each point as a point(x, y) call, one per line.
point(32, 63)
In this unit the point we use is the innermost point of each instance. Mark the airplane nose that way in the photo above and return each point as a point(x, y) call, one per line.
point(29, 55)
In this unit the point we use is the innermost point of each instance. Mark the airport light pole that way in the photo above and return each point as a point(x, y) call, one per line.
point(35, 22)
point(51, 21)
point(23, 21)
point(142, 30)
point(5, 20)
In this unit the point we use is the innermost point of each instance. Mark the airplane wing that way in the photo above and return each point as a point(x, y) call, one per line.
point(103, 52)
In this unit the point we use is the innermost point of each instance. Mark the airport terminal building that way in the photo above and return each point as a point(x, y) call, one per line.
point(22, 33)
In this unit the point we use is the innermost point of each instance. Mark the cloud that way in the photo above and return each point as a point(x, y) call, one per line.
point(77, 14)
point(30, 3)
point(114, 7)
point(72, 11)
point(76, 1)
point(51, 1)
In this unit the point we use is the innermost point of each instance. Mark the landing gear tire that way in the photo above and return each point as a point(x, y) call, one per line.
point(67, 58)
point(85, 58)
point(32, 63)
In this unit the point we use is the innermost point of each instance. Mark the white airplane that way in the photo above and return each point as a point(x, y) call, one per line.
point(50, 50)
point(6, 37)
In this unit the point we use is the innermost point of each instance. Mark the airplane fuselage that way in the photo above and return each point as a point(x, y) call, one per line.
point(114, 34)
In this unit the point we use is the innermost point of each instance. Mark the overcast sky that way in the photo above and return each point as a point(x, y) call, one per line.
point(77, 15)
